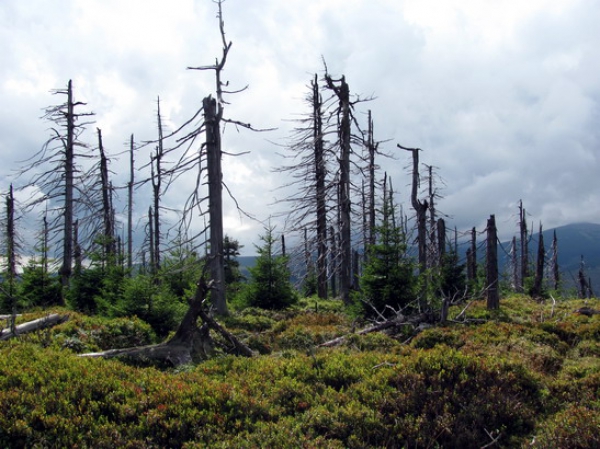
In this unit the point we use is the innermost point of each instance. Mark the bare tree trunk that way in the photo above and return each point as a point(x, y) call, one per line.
point(32, 326)
point(333, 268)
point(77, 248)
point(69, 173)
point(343, 94)
point(524, 247)
point(372, 148)
point(107, 215)
point(432, 250)
point(11, 272)
point(130, 205)
point(153, 268)
point(421, 211)
point(320, 175)
point(539, 267)
point(441, 240)
point(493, 295)
point(514, 265)
point(555, 267)
point(156, 176)
point(474, 253)
point(215, 203)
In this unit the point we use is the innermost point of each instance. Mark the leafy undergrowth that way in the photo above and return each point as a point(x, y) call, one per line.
point(527, 377)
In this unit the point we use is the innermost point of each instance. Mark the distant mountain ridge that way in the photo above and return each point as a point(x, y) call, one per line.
point(574, 241)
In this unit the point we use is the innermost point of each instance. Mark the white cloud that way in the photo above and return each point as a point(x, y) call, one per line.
point(501, 96)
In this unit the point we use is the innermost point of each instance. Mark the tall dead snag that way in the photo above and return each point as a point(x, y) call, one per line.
point(130, 185)
point(472, 259)
point(213, 117)
point(420, 208)
point(492, 286)
point(215, 203)
point(156, 178)
point(536, 291)
point(372, 151)
point(69, 171)
point(554, 263)
point(342, 92)
point(307, 171)
point(57, 175)
point(11, 261)
point(514, 265)
point(108, 240)
point(320, 190)
point(524, 274)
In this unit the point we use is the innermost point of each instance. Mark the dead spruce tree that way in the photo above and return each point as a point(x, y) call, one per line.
point(130, 186)
point(420, 208)
point(210, 155)
point(537, 289)
point(341, 91)
point(56, 173)
point(310, 158)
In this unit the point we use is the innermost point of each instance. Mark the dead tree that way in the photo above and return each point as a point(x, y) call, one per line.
point(156, 178)
point(189, 344)
point(492, 284)
point(420, 208)
point(342, 92)
point(212, 152)
point(333, 262)
point(32, 326)
point(130, 186)
point(536, 291)
point(10, 273)
point(60, 177)
point(371, 147)
point(215, 201)
point(514, 265)
point(524, 246)
point(555, 270)
point(108, 240)
point(307, 170)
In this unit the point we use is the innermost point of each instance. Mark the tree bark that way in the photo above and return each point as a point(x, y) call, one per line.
point(539, 268)
point(215, 203)
point(130, 205)
point(321, 192)
point(493, 295)
point(107, 215)
point(342, 91)
point(32, 326)
point(555, 267)
point(524, 247)
point(69, 173)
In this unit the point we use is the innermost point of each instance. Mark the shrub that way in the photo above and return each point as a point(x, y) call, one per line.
point(575, 427)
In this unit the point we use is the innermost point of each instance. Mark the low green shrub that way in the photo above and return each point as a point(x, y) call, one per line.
point(575, 427)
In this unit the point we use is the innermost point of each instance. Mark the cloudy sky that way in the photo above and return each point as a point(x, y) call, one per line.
point(502, 96)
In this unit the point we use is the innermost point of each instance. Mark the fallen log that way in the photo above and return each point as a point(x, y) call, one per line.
point(587, 311)
point(190, 344)
point(32, 326)
point(395, 323)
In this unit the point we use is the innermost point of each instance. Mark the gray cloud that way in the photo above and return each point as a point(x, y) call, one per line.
point(503, 101)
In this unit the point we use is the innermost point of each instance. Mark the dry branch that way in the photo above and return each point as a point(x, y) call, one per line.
point(392, 324)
